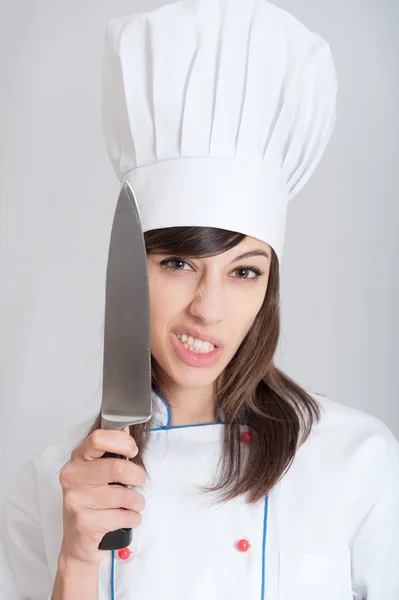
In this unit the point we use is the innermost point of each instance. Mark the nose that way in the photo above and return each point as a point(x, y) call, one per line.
point(208, 304)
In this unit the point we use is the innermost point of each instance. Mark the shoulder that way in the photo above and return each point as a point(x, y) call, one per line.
point(360, 446)
point(351, 424)
point(32, 513)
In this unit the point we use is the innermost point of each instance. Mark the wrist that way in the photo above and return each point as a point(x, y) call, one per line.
point(75, 579)
point(68, 565)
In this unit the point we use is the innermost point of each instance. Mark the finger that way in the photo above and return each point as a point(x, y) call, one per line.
point(107, 497)
point(96, 524)
point(105, 440)
point(103, 471)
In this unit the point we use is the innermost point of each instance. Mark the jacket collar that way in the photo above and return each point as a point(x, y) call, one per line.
point(161, 413)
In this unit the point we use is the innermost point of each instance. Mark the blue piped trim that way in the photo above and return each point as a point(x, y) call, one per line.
point(113, 575)
point(262, 595)
point(185, 426)
point(166, 403)
point(219, 417)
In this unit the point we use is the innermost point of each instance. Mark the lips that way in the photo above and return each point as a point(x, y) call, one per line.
point(198, 335)
point(195, 359)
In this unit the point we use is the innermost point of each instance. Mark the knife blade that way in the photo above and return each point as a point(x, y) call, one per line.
point(126, 388)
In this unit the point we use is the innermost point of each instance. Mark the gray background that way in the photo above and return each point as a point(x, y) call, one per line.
point(57, 196)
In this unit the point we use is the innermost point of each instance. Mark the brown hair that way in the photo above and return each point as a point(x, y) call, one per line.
point(251, 391)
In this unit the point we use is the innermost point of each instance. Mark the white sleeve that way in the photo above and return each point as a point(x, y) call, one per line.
point(375, 551)
point(24, 573)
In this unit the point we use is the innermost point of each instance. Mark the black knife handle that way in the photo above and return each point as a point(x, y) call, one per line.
point(120, 538)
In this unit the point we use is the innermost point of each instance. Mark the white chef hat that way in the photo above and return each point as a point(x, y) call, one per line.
point(217, 112)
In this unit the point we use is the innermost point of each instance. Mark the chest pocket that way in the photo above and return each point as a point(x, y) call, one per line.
point(315, 575)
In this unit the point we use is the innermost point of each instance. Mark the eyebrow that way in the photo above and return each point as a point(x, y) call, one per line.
point(249, 254)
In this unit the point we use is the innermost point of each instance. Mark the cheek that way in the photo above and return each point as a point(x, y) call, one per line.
point(242, 314)
point(166, 305)
point(244, 308)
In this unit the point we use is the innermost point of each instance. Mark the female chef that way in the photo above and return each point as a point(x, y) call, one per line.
point(217, 113)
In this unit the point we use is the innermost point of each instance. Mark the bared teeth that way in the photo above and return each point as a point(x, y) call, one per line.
point(195, 345)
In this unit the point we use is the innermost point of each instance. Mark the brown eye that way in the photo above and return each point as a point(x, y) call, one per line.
point(244, 271)
point(178, 264)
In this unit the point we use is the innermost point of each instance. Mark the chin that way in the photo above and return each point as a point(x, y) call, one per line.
point(185, 376)
point(182, 375)
point(192, 378)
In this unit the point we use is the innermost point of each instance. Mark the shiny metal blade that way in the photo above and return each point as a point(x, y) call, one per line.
point(126, 394)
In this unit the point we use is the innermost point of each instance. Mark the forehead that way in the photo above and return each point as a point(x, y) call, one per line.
point(248, 244)
point(253, 243)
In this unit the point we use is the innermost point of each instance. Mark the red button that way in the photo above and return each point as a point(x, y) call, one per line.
point(124, 553)
point(246, 437)
point(243, 545)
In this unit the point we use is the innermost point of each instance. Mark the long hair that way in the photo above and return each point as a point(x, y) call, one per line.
point(251, 391)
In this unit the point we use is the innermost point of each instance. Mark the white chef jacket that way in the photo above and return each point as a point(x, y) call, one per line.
point(328, 530)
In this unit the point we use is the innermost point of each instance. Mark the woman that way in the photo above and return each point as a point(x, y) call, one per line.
point(217, 112)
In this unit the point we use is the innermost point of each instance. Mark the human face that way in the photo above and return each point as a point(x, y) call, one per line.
point(216, 297)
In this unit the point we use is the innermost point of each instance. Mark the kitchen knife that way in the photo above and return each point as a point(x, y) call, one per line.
point(126, 391)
